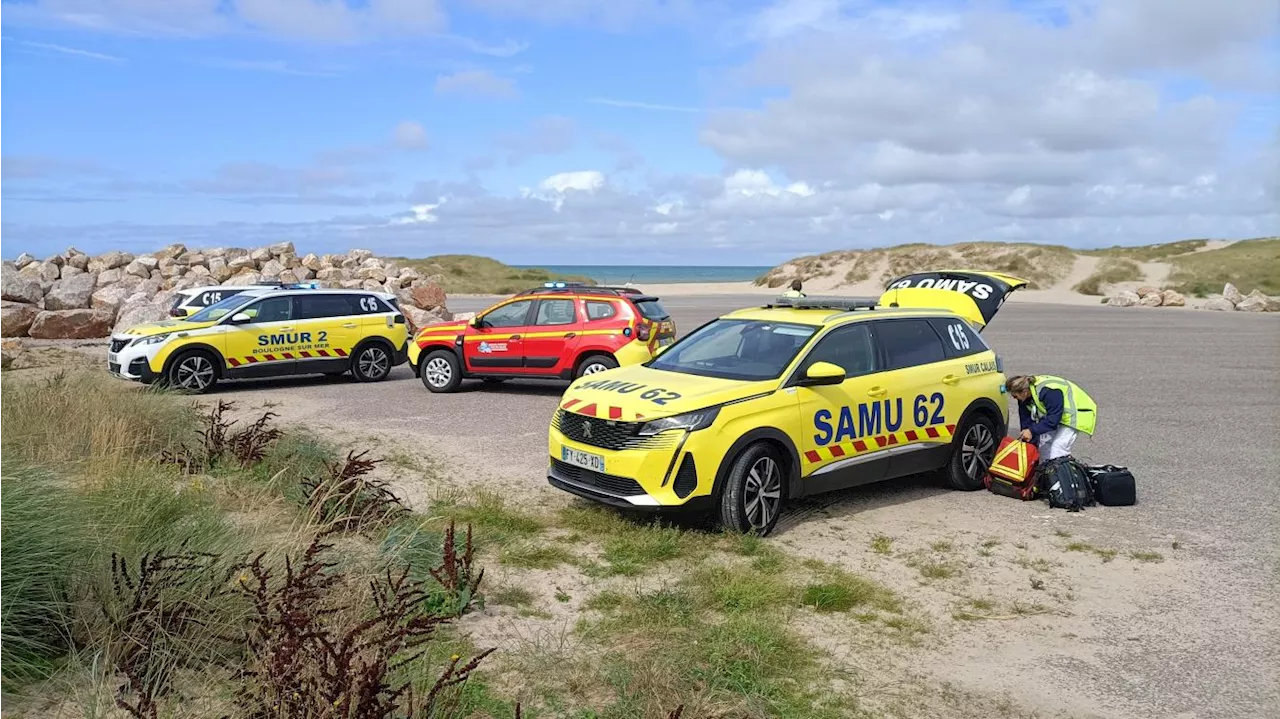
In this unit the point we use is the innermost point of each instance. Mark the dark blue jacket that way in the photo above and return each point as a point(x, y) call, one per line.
point(1052, 400)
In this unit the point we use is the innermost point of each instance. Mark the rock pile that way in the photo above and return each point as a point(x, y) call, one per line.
point(1147, 297)
point(1232, 299)
point(73, 295)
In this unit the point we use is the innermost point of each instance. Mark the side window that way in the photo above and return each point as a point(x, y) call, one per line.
point(273, 309)
point(514, 314)
point(312, 307)
point(958, 336)
point(600, 310)
point(849, 347)
point(908, 343)
point(556, 312)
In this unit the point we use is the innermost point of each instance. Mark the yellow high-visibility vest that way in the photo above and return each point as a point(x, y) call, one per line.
point(1079, 411)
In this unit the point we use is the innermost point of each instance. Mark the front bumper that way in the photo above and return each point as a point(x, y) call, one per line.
point(400, 356)
point(133, 362)
point(639, 478)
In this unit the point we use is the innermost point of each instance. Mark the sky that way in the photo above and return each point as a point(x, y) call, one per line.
point(720, 132)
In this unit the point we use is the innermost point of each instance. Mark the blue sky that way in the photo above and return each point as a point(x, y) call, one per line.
point(650, 131)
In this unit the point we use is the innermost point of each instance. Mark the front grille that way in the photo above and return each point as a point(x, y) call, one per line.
point(619, 486)
point(117, 345)
point(135, 367)
point(113, 367)
point(686, 477)
point(609, 434)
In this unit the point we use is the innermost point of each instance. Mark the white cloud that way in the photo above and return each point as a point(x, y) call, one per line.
point(582, 181)
point(477, 83)
point(411, 135)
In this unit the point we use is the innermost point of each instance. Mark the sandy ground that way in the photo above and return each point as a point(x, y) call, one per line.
point(1188, 401)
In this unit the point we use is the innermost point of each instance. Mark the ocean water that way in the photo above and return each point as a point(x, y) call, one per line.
point(657, 274)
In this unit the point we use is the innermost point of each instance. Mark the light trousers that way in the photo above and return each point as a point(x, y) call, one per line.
point(1057, 443)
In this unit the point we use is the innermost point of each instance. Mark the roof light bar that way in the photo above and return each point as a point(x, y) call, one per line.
point(825, 303)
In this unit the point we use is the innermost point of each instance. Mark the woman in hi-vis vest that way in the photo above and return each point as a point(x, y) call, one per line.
point(1053, 411)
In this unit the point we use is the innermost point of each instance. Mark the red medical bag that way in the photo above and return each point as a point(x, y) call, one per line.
point(1012, 471)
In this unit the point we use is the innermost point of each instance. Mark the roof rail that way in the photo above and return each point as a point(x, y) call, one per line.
point(312, 285)
point(844, 304)
point(580, 288)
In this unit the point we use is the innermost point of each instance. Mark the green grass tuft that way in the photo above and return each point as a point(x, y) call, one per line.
point(1110, 271)
point(1248, 264)
point(880, 544)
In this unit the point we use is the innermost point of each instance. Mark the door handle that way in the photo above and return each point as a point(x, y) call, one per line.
point(571, 335)
point(514, 337)
point(286, 329)
point(950, 379)
point(350, 325)
point(877, 392)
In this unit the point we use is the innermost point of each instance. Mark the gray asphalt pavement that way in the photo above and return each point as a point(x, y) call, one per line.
point(1189, 400)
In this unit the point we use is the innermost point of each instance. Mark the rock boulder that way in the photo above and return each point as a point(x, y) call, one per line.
point(139, 310)
point(19, 286)
point(1124, 299)
point(1233, 295)
point(1152, 299)
point(1170, 298)
point(71, 293)
point(428, 296)
point(71, 324)
point(1220, 304)
point(16, 318)
point(1255, 302)
point(110, 298)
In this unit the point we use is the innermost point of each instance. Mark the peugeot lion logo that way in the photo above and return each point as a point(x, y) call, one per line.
point(586, 430)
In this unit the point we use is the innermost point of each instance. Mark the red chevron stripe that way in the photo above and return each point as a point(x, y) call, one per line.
point(233, 361)
point(912, 436)
point(305, 354)
point(860, 446)
point(589, 409)
point(837, 451)
point(951, 429)
point(881, 441)
point(615, 413)
point(288, 355)
point(932, 432)
point(893, 439)
point(812, 456)
point(570, 403)
point(251, 359)
point(341, 352)
point(323, 353)
point(270, 358)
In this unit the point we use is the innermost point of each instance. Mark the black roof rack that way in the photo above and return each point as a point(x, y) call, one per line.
point(307, 285)
point(845, 304)
point(581, 288)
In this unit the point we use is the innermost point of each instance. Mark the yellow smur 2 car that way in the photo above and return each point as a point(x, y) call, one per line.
point(271, 331)
point(792, 399)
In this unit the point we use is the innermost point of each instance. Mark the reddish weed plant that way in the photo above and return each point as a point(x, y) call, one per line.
point(246, 446)
point(308, 660)
point(346, 498)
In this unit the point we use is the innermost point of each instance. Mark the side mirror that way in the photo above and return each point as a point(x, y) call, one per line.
point(822, 373)
point(477, 322)
point(240, 318)
point(178, 312)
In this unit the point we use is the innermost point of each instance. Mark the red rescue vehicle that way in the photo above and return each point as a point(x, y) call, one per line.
point(558, 331)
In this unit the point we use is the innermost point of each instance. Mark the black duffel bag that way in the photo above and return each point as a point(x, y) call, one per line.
point(1113, 486)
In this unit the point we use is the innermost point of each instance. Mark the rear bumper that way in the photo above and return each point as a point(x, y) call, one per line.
point(400, 356)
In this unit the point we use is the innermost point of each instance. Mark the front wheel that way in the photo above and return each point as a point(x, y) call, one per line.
point(596, 363)
point(371, 363)
point(192, 372)
point(440, 371)
point(975, 447)
point(753, 492)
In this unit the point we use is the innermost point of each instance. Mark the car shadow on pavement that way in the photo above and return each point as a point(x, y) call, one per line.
point(848, 502)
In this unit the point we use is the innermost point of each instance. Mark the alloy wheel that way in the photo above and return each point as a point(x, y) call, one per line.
point(977, 450)
point(762, 492)
point(593, 368)
point(194, 373)
point(438, 372)
point(374, 363)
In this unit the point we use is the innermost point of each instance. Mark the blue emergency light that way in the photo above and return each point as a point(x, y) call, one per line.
point(555, 285)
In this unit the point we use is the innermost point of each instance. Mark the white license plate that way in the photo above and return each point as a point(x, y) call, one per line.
point(113, 358)
point(586, 460)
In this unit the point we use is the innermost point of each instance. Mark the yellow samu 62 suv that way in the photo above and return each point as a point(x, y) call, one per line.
point(798, 397)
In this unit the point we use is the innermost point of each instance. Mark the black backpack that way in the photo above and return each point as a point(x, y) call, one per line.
point(1065, 482)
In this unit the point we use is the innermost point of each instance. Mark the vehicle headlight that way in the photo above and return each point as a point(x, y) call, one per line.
point(692, 421)
point(151, 340)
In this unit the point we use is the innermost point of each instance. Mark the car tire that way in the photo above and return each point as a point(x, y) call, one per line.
point(754, 490)
point(440, 371)
point(974, 446)
point(195, 372)
point(371, 362)
point(594, 364)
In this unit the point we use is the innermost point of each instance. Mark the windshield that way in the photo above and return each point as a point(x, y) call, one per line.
point(748, 350)
point(218, 310)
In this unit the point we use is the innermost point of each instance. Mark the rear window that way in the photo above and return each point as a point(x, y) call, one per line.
point(652, 310)
point(908, 343)
point(958, 336)
point(317, 306)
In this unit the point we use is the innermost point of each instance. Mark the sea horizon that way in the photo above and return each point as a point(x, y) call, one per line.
point(658, 274)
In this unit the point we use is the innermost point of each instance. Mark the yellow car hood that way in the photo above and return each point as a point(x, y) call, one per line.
point(637, 392)
point(147, 329)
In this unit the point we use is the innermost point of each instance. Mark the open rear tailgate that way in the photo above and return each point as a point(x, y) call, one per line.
point(972, 294)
